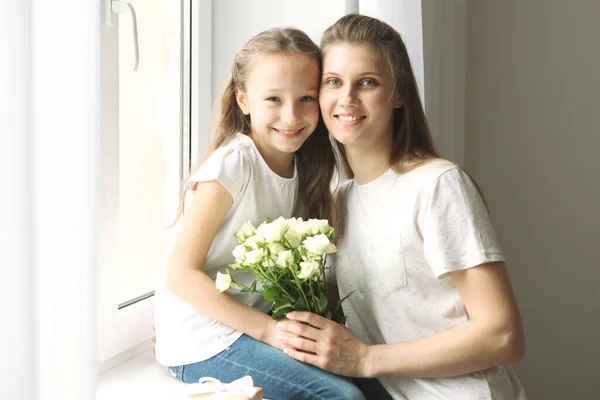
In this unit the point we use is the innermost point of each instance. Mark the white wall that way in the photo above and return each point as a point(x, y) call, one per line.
point(532, 143)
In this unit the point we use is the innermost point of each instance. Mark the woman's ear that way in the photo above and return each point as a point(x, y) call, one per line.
point(242, 101)
point(399, 102)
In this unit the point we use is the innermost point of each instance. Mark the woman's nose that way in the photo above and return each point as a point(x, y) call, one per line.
point(349, 98)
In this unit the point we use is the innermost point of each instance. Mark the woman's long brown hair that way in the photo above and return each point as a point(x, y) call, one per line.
point(411, 137)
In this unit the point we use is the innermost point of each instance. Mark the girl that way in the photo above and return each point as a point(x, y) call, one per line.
point(433, 315)
point(270, 150)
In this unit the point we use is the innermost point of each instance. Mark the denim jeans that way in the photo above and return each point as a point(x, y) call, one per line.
point(280, 376)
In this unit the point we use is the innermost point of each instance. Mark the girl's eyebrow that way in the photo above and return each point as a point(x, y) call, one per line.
point(274, 90)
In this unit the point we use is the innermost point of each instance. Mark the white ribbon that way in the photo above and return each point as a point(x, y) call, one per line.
point(206, 385)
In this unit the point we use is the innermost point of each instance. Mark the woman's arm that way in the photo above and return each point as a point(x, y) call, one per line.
point(493, 336)
point(185, 277)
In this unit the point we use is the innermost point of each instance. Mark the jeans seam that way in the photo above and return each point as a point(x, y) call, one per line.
point(272, 376)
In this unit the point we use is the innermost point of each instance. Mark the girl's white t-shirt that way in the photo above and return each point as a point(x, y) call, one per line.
point(402, 235)
point(185, 335)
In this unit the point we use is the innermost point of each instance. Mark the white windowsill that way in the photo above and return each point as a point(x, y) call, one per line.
point(139, 378)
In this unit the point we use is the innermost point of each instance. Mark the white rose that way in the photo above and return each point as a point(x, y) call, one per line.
point(296, 231)
point(299, 225)
point(319, 244)
point(285, 257)
point(255, 256)
point(239, 253)
point(256, 241)
point(293, 238)
point(223, 282)
point(317, 226)
point(246, 231)
point(275, 248)
point(268, 263)
point(273, 231)
point(310, 269)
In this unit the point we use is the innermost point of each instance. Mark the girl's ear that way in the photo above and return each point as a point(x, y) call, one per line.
point(242, 101)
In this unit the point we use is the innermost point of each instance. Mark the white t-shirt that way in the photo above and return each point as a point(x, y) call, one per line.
point(184, 335)
point(402, 234)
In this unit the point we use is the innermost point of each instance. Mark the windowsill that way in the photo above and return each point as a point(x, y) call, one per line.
point(139, 378)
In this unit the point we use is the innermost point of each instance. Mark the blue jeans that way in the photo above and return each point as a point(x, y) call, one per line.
point(280, 376)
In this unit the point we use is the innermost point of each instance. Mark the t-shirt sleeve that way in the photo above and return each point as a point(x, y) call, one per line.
point(229, 166)
point(457, 229)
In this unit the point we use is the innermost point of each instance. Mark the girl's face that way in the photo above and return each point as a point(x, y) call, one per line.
point(281, 99)
point(356, 98)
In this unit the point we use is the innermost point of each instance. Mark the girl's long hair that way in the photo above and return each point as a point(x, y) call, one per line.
point(315, 159)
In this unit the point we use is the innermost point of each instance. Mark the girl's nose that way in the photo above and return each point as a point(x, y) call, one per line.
point(290, 114)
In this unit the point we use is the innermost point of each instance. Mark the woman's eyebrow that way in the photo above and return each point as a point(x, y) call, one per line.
point(359, 75)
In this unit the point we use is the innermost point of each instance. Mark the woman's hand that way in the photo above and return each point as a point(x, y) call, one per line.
point(324, 343)
point(271, 335)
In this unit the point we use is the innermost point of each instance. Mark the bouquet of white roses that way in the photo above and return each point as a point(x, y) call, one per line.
point(288, 258)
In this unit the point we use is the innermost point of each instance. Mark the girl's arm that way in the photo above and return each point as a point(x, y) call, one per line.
point(185, 277)
point(493, 336)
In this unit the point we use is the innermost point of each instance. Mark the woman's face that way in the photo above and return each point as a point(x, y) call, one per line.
point(356, 97)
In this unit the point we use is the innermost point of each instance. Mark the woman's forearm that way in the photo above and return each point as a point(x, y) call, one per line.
point(465, 349)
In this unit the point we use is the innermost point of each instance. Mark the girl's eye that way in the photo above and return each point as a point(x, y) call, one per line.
point(334, 82)
point(272, 98)
point(307, 98)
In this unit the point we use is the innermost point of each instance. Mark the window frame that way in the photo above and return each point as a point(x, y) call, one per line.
point(126, 332)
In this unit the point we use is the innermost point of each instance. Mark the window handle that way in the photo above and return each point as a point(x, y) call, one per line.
point(123, 7)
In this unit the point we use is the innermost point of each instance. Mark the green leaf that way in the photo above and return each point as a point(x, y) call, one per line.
point(253, 287)
point(271, 293)
point(340, 319)
point(297, 257)
point(322, 304)
point(269, 220)
point(300, 304)
point(345, 297)
point(280, 311)
point(267, 285)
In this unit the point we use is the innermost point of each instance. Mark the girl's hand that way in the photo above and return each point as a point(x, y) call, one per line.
point(324, 344)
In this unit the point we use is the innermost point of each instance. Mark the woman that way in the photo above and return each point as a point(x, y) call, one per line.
point(433, 315)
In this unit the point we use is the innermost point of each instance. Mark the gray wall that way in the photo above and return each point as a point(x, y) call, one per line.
point(532, 143)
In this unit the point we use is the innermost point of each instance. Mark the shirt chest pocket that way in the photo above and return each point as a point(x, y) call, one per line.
point(379, 268)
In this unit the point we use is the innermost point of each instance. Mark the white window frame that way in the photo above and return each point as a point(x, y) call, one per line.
point(124, 333)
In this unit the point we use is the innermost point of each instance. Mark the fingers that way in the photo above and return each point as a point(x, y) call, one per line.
point(304, 357)
point(298, 329)
point(299, 343)
point(308, 317)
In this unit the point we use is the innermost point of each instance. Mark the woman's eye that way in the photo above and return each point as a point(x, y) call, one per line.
point(272, 98)
point(368, 82)
point(334, 82)
point(307, 98)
